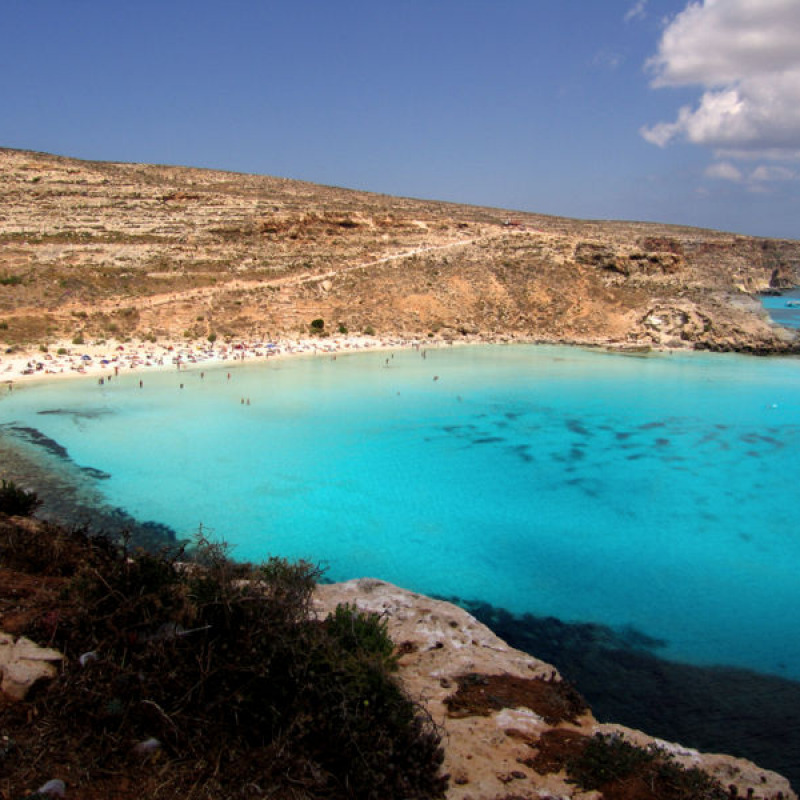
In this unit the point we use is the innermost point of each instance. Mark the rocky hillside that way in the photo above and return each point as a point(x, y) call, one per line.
point(102, 250)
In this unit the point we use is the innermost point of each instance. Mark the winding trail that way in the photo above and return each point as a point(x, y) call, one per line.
point(237, 284)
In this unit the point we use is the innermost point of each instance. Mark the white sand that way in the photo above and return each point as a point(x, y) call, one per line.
point(116, 358)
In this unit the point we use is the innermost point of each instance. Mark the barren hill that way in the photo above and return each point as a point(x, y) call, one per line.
point(105, 250)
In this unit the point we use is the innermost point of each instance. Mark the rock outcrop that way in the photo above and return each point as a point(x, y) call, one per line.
point(501, 709)
point(93, 251)
point(23, 664)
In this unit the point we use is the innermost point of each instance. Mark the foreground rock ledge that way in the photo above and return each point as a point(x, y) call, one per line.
point(484, 755)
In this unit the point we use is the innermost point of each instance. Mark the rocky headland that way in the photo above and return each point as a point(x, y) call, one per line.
point(94, 251)
point(510, 722)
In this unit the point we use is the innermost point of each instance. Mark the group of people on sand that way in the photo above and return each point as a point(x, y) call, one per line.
point(103, 359)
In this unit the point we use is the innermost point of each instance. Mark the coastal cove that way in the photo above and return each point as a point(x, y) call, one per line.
point(641, 492)
point(650, 496)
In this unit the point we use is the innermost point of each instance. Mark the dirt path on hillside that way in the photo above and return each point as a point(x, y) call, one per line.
point(239, 284)
point(208, 293)
point(278, 283)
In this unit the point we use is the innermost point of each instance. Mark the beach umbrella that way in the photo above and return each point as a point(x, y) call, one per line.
point(86, 358)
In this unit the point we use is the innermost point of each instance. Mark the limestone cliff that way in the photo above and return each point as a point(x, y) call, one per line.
point(496, 743)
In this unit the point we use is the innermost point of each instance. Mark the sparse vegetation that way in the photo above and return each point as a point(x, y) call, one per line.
point(191, 675)
point(538, 280)
point(620, 770)
point(612, 765)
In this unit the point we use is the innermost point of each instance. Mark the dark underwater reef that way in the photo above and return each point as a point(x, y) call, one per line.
point(69, 492)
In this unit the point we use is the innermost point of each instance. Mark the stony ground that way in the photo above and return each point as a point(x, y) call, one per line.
point(508, 718)
point(98, 251)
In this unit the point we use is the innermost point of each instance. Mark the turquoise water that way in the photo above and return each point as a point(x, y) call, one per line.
point(649, 493)
point(784, 308)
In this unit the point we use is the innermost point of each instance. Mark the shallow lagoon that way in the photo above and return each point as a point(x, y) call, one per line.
point(655, 495)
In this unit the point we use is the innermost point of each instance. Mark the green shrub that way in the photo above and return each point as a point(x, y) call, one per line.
point(358, 632)
point(78, 339)
point(16, 501)
point(608, 761)
point(605, 759)
point(369, 331)
point(342, 328)
point(226, 667)
point(317, 325)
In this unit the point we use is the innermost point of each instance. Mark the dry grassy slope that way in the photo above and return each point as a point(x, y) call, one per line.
point(116, 250)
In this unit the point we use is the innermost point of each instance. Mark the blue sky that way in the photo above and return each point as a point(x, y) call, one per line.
point(616, 109)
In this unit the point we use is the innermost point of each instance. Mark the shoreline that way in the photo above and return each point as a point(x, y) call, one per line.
point(63, 361)
point(110, 358)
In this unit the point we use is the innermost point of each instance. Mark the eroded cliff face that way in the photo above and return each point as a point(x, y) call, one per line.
point(108, 251)
point(509, 721)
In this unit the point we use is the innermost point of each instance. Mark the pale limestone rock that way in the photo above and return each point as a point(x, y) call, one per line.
point(23, 663)
point(440, 641)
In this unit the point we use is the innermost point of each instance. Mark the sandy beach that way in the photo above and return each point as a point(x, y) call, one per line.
point(110, 359)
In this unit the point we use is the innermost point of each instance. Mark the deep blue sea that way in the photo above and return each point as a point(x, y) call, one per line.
point(652, 497)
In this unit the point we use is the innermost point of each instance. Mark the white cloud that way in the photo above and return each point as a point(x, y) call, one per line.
point(757, 180)
point(773, 173)
point(724, 170)
point(745, 56)
point(718, 42)
point(636, 11)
